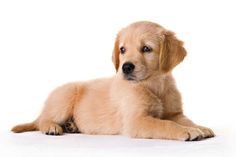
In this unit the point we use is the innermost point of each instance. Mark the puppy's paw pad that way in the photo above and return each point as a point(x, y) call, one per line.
point(70, 127)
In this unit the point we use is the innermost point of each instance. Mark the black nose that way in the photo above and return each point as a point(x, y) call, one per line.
point(128, 68)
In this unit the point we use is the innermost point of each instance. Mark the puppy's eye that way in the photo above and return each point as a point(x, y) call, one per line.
point(122, 50)
point(146, 49)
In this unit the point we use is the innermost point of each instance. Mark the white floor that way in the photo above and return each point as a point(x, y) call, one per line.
point(78, 145)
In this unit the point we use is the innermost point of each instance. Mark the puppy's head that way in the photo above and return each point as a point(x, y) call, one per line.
point(144, 49)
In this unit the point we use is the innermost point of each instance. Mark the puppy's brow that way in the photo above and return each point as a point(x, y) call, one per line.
point(121, 45)
point(150, 44)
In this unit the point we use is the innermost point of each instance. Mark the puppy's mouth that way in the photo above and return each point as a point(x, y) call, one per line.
point(130, 77)
point(135, 78)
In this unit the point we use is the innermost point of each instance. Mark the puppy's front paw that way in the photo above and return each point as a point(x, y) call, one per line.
point(192, 134)
point(207, 132)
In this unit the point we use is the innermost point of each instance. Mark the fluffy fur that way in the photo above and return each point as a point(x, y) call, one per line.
point(146, 105)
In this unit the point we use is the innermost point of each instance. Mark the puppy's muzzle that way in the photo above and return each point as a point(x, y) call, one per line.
point(128, 68)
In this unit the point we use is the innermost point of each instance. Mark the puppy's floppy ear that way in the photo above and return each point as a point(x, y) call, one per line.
point(115, 54)
point(172, 52)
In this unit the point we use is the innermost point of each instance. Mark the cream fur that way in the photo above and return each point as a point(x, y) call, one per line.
point(149, 106)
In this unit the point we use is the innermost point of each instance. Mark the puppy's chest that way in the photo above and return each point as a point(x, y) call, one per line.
point(156, 105)
point(156, 108)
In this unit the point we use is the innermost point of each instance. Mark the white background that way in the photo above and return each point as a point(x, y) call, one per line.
point(46, 43)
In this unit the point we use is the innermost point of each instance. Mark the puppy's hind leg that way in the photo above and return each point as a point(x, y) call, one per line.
point(58, 108)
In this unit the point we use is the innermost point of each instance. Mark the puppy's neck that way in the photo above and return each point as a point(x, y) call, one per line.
point(156, 83)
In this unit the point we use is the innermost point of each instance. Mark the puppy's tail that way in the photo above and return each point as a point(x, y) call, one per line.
point(25, 127)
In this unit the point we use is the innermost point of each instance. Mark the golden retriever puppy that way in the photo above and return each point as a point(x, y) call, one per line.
point(140, 101)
